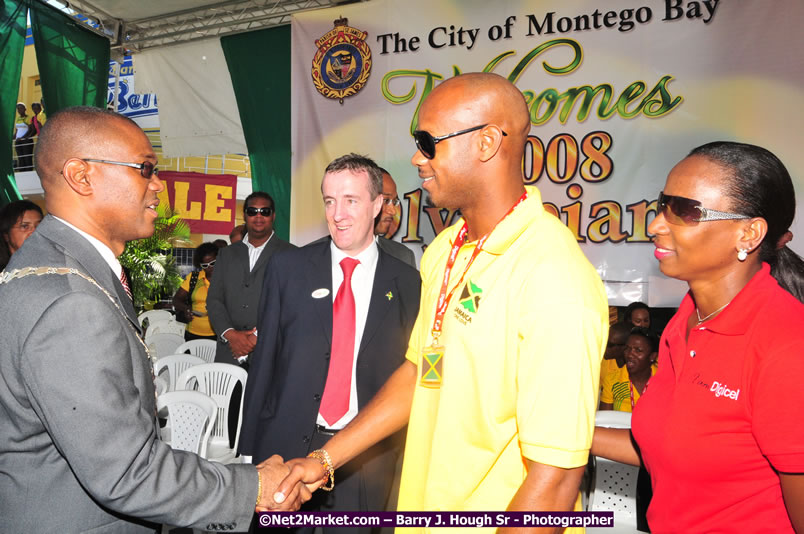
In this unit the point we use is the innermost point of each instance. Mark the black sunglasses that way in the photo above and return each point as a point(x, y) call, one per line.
point(426, 143)
point(265, 212)
point(689, 212)
point(147, 169)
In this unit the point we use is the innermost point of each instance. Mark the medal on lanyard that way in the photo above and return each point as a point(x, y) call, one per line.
point(432, 366)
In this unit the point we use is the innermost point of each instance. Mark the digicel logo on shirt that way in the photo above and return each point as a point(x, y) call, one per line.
point(722, 390)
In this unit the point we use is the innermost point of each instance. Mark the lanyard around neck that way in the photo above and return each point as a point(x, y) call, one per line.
point(444, 297)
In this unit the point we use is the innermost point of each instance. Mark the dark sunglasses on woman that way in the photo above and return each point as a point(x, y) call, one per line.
point(689, 212)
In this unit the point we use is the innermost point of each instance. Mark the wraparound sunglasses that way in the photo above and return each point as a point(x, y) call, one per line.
point(689, 212)
point(426, 143)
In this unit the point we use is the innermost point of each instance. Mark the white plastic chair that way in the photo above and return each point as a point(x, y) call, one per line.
point(163, 344)
point(191, 416)
point(615, 484)
point(161, 385)
point(203, 348)
point(165, 326)
point(218, 381)
point(170, 368)
point(154, 316)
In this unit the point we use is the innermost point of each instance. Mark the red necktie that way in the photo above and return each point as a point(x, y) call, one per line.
point(124, 281)
point(335, 402)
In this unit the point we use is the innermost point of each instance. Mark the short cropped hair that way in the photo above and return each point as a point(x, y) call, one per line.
point(356, 162)
point(258, 194)
point(649, 335)
point(68, 123)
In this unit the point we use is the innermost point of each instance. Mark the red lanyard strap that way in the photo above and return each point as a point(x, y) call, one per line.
point(444, 297)
point(631, 392)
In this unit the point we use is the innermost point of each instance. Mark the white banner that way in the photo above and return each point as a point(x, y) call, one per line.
point(197, 105)
point(619, 92)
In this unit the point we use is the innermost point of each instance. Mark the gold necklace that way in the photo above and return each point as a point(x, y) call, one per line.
point(698, 313)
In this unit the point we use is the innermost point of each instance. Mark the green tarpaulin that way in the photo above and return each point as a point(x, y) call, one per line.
point(12, 43)
point(73, 61)
point(259, 64)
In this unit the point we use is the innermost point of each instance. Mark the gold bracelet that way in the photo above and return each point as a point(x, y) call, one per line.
point(259, 488)
point(323, 456)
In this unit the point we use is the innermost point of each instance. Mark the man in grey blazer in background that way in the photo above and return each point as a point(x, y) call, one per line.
point(79, 446)
point(234, 294)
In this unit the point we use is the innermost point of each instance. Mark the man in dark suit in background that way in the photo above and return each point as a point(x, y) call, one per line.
point(385, 225)
point(234, 293)
point(79, 446)
point(325, 346)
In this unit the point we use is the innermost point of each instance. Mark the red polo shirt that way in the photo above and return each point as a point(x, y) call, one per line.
point(724, 410)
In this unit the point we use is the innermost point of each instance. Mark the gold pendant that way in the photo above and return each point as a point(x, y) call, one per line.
point(432, 366)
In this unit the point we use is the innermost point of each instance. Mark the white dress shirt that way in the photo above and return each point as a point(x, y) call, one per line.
point(253, 256)
point(362, 284)
point(105, 252)
point(254, 252)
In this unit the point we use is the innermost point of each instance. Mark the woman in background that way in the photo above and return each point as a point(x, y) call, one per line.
point(719, 426)
point(638, 314)
point(622, 388)
point(18, 220)
point(190, 300)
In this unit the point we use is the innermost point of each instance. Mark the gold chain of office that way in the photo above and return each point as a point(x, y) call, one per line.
point(8, 276)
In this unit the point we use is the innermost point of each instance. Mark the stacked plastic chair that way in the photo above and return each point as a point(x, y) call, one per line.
point(218, 380)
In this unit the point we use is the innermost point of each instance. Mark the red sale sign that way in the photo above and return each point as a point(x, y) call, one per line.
point(205, 201)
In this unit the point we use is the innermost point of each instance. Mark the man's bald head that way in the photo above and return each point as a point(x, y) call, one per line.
point(92, 165)
point(72, 133)
point(484, 121)
point(483, 98)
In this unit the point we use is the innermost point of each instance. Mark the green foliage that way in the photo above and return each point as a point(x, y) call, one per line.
point(150, 263)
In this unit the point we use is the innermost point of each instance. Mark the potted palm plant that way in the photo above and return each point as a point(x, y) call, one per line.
point(152, 270)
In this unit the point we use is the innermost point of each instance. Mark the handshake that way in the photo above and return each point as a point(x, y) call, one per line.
point(285, 486)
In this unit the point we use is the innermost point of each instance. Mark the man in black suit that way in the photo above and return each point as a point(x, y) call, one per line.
point(313, 369)
point(234, 293)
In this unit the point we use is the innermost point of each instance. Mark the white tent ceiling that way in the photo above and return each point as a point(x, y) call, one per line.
point(134, 25)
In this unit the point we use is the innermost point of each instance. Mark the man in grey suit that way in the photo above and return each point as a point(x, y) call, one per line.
point(234, 294)
point(385, 225)
point(79, 447)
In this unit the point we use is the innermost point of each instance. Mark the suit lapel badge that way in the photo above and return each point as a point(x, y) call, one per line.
point(320, 293)
point(389, 295)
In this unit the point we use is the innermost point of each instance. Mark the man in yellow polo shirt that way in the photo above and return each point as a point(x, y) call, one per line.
point(503, 365)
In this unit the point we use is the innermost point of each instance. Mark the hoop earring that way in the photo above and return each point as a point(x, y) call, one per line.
point(742, 254)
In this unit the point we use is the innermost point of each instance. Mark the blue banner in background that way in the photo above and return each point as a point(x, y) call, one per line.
point(129, 102)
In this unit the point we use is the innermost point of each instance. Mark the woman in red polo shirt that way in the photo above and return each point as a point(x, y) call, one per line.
point(719, 426)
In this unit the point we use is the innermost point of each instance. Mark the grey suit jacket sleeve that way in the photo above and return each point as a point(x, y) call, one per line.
point(219, 317)
point(87, 398)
